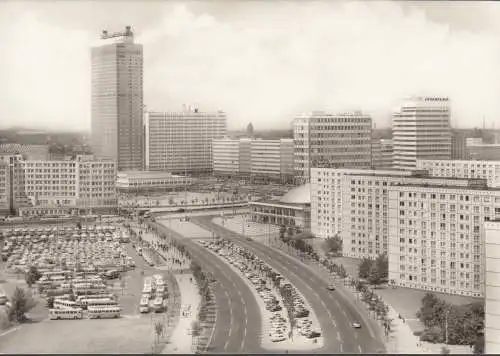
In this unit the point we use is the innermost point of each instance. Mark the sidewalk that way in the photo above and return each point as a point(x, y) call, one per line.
point(181, 341)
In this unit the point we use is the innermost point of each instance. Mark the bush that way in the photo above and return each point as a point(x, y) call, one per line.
point(21, 303)
point(433, 335)
point(4, 320)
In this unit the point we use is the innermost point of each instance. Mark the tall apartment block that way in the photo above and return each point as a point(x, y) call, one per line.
point(489, 170)
point(354, 204)
point(331, 141)
point(117, 99)
point(458, 146)
point(254, 158)
point(421, 130)
point(492, 288)
point(436, 235)
point(181, 142)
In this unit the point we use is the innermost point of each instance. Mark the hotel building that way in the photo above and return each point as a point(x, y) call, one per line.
point(436, 235)
point(254, 158)
point(382, 150)
point(421, 130)
point(181, 142)
point(492, 290)
point(117, 99)
point(326, 140)
point(489, 170)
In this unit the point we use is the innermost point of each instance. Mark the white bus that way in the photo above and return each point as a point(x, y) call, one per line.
point(160, 291)
point(85, 303)
point(95, 296)
point(55, 314)
point(158, 305)
point(64, 304)
point(102, 312)
point(144, 305)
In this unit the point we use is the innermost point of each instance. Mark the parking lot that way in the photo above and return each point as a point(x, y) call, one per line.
point(58, 253)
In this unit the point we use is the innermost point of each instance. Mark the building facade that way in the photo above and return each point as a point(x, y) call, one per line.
point(144, 181)
point(181, 142)
point(382, 150)
point(458, 145)
point(254, 158)
point(489, 170)
point(293, 209)
point(421, 130)
point(325, 140)
point(483, 151)
point(117, 99)
point(436, 236)
point(30, 152)
point(61, 187)
point(492, 288)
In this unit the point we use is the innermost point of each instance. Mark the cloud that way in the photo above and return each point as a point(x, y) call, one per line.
point(263, 66)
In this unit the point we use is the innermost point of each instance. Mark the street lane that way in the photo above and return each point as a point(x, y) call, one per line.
point(341, 307)
point(238, 325)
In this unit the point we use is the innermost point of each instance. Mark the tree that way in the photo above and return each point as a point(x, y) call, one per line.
point(50, 302)
point(364, 268)
point(290, 232)
point(72, 297)
point(445, 350)
point(374, 276)
point(21, 303)
point(195, 332)
point(382, 264)
point(333, 245)
point(479, 345)
point(32, 276)
point(159, 328)
point(282, 231)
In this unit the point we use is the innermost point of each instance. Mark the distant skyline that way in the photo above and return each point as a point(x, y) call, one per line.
point(260, 61)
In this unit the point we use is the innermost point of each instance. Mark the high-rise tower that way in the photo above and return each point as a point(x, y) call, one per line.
point(421, 130)
point(117, 99)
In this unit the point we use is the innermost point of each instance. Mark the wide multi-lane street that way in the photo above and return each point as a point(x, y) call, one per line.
point(237, 322)
point(336, 312)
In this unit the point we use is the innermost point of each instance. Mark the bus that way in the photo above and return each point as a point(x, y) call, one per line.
point(56, 314)
point(64, 304)
point(144, 305)
point(95, 296)
point(158, 305)
point(160, 291)
point(104, 312)
point(85, 303)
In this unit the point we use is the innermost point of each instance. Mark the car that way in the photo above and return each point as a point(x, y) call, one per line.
point(356, 325)
point(331, 286)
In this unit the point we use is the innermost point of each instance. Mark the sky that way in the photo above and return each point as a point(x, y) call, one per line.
point(260, 61)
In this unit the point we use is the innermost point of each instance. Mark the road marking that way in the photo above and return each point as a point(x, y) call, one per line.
point(338, 335)
point(337, 303)
point(343, 312)
point(11, 330)
point(341, 348)
point(324, 305)
point(360, 350)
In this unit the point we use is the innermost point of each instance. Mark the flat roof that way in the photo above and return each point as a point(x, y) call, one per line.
point(460, 187)
point(150, 174)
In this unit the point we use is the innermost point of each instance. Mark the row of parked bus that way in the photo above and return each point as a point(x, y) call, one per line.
point(97, 306)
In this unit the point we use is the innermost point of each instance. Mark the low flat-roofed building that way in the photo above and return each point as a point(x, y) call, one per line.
point(144, 181)
point(293, 209)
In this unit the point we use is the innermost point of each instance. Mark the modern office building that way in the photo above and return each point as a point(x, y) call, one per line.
point(483, 151)
point(293, 209)
point(60, 187)
point(492, 288)
point(326, 140)
point(254, 158)
point(144, 181)
point(117, 99)
point(181, 142)
point(382, 150)
point(436, 235)
point(421, 130)
point(489, 170)
point(458, 145)
point(31, 152)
